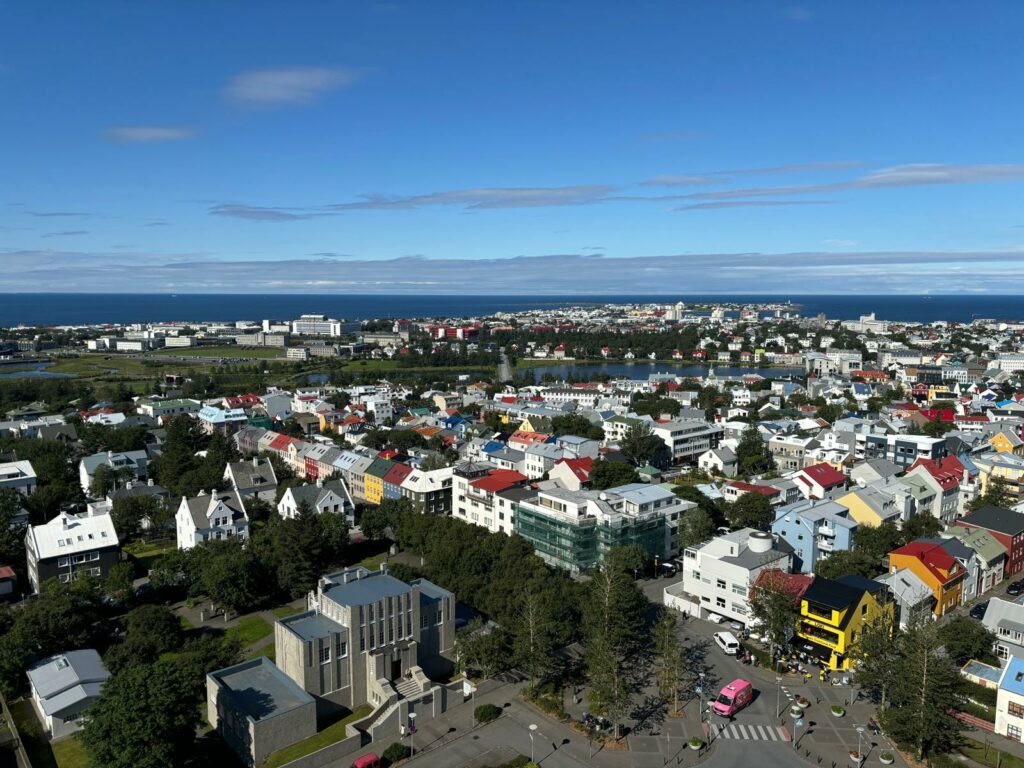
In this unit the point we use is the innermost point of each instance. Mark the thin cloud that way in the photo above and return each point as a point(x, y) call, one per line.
point(840, 242)
point(157, 224)
point(57, 214)
point(148, 134)
point(482, 198)
point(291, 86)
point(67, 233)
point(333, 255)
point(675, 136)
point(797, 13)
point(681, 181)
point(748, 204)
point(261, 213)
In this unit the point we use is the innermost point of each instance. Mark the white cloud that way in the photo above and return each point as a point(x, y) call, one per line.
point(294, 86)
point(148, 134)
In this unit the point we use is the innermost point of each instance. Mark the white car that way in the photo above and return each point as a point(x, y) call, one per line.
point(714, 618)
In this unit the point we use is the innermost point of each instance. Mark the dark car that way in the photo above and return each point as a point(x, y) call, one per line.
point(978, 611)
point(1015, 588)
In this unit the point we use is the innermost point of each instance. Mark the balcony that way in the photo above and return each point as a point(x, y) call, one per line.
point(826, 545)
point(825, 530)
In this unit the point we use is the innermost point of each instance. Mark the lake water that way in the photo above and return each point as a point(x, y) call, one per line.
point(641, 370)
point(37, 372)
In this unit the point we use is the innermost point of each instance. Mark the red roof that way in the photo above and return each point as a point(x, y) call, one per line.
point(793, 584)
point(824, 475)
point(510, 399)
point(938, 414)
point(6, 572)
point(579, 467)
point(499, 480)
point(281, 443)
point(948, 472)
point(932, 556)
point(397, 474)
point(764, 490)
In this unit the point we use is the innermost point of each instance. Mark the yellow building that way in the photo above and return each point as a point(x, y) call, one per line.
point(373, 480)
point(869, 507)
point(834, 613)
point(1007, 442)
point(1005, 465)
point(936, 568)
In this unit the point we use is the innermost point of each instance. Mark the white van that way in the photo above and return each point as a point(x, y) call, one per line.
point(727, 642)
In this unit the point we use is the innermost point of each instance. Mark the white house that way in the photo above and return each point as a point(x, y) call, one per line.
point(18, 476)
point(131, 462)
point(254, 477)
point(332, 496)
point(209, 517)
point(719, 461)
point(1005, 620)
point(1010, 701)
point(718, 575)
point(62, 686)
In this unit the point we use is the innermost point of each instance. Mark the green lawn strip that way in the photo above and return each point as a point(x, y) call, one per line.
point(38, 748)
point(372, 563)
point(240, 352)
point(284, 611)
point(977, 752)
point(70, 753)
point(270, 651)
point(329, 735)
point(249, 630)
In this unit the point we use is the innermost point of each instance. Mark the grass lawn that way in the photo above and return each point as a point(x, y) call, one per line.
point(284, 611)
point(36, 745)
point(990, 756)
point(250, 630)
point(261, 352)
point(270, 651)
point(329, 735)
point(70, 753)
point(372, 563)
point(147, 553)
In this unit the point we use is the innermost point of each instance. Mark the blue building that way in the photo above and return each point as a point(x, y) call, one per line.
point(815, 529)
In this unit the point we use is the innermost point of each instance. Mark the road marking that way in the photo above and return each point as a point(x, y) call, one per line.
point(752, 732)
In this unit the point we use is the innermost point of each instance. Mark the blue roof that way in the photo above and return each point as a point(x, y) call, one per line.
point(373, 586)
point(1013, 677)
point(259, 690)
point(430, 590)
point(310, 625)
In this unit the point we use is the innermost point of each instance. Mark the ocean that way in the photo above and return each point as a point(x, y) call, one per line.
point(95, 308)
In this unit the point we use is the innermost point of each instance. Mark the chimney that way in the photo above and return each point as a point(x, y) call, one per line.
point(110, 454)
point(255, 461)
point(384, 567)
point(150, 482)
point(319, 482)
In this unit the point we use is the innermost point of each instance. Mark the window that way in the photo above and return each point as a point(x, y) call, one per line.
point(63, 562)
point(720, 602)
point(739, 589)
point(720, 583)
point(325, 654)
point(72, 717)
point(440, 614)
point(362, 642)
point(371, 613)
point(1013, 709)
point(424, 620)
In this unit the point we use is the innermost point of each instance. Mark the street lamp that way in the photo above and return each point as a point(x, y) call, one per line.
point(701, 692)
point(533, 730)
point(796, 727)
point(860, 734)
point(412, 731)
point(778, 696)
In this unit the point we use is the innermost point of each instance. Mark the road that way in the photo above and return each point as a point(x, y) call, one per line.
point(504, 369)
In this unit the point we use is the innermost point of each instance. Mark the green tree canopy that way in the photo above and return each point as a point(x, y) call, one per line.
point(610, 474)
point(752, 452)
point(751, 510)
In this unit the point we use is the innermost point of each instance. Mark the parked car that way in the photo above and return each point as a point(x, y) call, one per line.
point(978, 611)
point(1015, 588)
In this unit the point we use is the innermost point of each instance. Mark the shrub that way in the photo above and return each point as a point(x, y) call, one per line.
point(695, 742)
point(837, 710)
point(396, 752)
point(486, 712)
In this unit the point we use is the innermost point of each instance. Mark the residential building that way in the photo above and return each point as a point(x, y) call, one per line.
point(737, 488)
point(257, 709)
point(788, 451)
point(316, 325)
point(255, 477)
point(819, 481)
point(871, 506)
point(166, 409)
point(834, 614)
point(63, 686)
point(476, 499)
point(374, 479)
point(1005, 619)
point(687, 439)
point(211, 517)
point(332, 496)
point(902, 450)
point(911, 596)
point(1007, 527)
point(70, 545)
point(719, 461)
point(1010, 700)
point(368, 638)
point(227, 421)
point(814, 529)
point(18, 476)
point(130, 464)
point(989, 556)
point(573, 474)
point(936, 568)
point(718, 575)
point(430, 491)
point(574, 530)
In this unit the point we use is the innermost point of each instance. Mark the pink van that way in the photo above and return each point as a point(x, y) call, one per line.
point(733, 697)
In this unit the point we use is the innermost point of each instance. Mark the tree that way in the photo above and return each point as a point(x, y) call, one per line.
point(752, 452)
point(611, 474)
point(920, 525)
point(842, 563)
point(965, 639)
point(575, 424)
point(128, 513)
point(106, 479)
point(230, 575)
point(710, 506)
point(876, 653)
point(925, 681)
point(146, 718)
point(12, 529)
point(671, 668)
point(996, 494)
point(119, 580)
point(612, 619)
point(773, 608)
point(484, 648)
point(640, 445)
point(874, 543)
point(377, 439)
point(533, 645)
point(695, 527)
point(150, 630)
point(404, 440)
point(751, 510)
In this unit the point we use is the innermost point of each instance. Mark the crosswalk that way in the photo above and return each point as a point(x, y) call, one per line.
point(752, 732)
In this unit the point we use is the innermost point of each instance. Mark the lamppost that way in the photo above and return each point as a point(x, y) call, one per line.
point(796, 727)
point(778, 696)
point(860, 734)
point(700, 691)
point(533, 730)
point(412, 731)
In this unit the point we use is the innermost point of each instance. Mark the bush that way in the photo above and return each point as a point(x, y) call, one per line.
point(395, 753)
point(979, 693)
point(519, 761)
point(486, 712)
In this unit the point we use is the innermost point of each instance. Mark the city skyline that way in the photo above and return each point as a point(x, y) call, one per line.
point(772, 148)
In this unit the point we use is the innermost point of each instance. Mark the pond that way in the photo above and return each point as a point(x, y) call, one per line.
point(37, 371)
point(643, 369)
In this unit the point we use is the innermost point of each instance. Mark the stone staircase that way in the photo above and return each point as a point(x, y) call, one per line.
point(408, 688)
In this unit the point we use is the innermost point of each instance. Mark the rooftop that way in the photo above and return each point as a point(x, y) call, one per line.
point(260, 690)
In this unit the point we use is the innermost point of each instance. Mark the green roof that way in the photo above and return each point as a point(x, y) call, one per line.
point(379, 468)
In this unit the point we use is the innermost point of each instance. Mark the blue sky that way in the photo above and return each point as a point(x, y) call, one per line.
point(512, 147)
